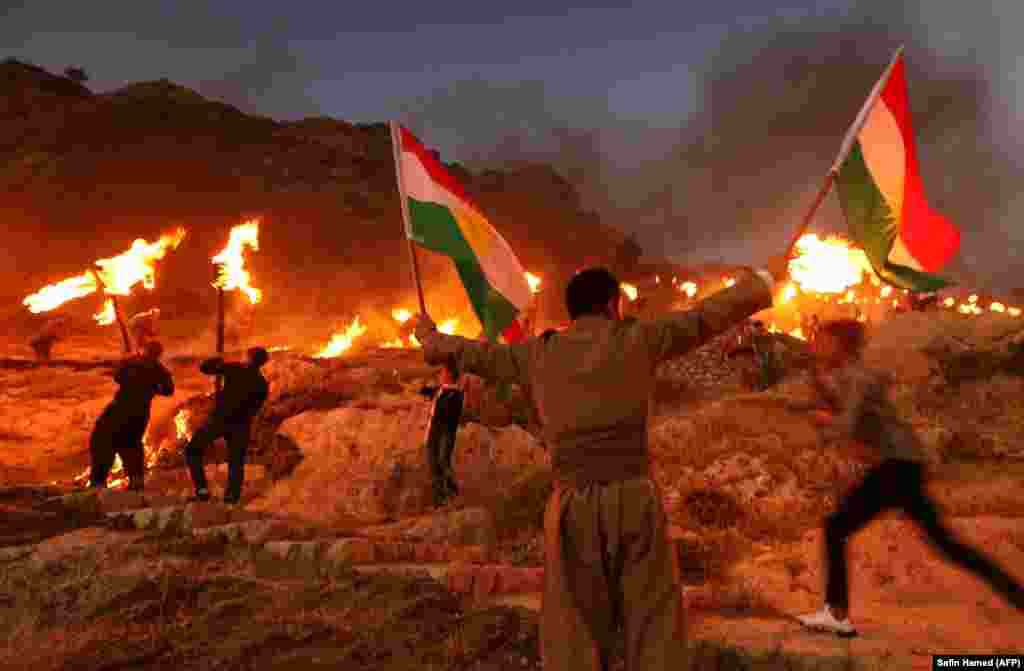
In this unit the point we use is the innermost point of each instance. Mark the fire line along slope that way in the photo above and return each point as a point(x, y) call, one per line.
point(155, 155)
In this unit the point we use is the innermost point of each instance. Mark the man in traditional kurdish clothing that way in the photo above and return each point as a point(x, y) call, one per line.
point(608, 559)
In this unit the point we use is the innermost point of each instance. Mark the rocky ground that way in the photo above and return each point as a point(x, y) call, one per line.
point(338, 560)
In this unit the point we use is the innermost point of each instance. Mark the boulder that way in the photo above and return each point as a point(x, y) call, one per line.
point(367, 464)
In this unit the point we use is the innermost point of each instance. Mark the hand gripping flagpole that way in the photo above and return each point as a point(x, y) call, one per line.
point(396, 147)
point(844, 151)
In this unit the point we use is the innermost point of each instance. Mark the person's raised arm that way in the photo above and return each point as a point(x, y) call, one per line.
point(501, 363)
point(679, 332)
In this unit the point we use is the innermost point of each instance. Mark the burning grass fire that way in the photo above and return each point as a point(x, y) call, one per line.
point(118, 275)
point(341, 342)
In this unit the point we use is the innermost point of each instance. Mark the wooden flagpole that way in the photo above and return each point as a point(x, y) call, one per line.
point(396, 147)
point(117, 312)
point(844, 151)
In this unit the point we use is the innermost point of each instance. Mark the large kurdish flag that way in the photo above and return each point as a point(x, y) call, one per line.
point(882, 196)
point(442, 218)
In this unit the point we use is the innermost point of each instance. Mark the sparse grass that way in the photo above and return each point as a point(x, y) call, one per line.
point(180, 612)
point(521, 509)
point(727, 595)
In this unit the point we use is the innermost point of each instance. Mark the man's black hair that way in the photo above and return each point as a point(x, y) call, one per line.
point(258, 356)
point(590, 291)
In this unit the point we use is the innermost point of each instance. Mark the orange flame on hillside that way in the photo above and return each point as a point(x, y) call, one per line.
point(232, 273)
point(827, 266)
point(534, 282)
point(788, 293)
point(118, 273)
point(341, 342)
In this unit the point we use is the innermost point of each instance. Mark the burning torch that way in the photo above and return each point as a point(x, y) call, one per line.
point(117, 310)
point(230, 273)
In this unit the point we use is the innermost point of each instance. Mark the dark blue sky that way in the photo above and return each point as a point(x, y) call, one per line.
point(462, 73)
point(290, 59)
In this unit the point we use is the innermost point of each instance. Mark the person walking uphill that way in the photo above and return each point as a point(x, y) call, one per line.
point(608, 560)
point(121, 427)
point(244, 392)
point(864, 413)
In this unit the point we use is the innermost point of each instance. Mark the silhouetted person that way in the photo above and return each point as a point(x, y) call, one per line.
point(442, 428)
point(863, 412)
point(237, 403)
point(121, 427)
point(52, 332)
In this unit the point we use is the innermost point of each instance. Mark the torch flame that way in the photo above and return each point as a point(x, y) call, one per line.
point(449, 326)
point(118, 273)
point(1014, 312)
point(232, 273)
point(827, 266)
point(997, 307)
point(728, 281)
point(534, 282)
point(689, 287)
point(107, 315)
point(341, 342)
point(401, 315)
point(949, 302)
point(629, 290)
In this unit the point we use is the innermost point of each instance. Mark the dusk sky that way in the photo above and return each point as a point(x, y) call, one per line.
point(470, 76)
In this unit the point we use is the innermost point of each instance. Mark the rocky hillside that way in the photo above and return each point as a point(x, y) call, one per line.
point(85, 173)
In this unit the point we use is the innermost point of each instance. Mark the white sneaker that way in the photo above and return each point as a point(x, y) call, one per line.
point(824, 620)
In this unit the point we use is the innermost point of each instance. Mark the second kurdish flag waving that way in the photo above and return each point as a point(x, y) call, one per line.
point(882, 196)
point(442, 218)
